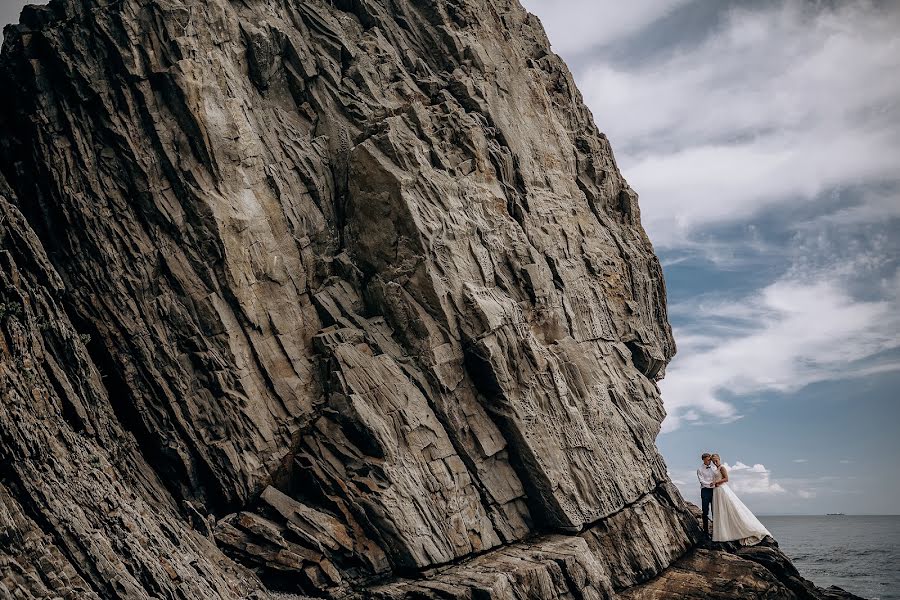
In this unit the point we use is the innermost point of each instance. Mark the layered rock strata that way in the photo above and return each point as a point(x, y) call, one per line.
point(345, 298)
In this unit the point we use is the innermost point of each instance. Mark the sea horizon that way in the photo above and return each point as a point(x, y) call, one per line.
point(858, 553)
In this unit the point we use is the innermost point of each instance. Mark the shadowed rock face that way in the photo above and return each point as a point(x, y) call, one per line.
point(333, 297)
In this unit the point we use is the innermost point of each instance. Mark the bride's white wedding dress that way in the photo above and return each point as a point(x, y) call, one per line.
point(732, 520)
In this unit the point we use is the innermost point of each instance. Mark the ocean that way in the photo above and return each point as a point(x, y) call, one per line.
point(858, 553)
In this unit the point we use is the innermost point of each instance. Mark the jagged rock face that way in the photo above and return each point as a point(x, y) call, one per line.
point(82, 514)
point(337, 294)
point(729, 572)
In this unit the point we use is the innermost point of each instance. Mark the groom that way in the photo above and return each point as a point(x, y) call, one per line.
point(707, 475)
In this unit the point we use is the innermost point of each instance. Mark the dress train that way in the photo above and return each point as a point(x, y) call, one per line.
point(732, 520)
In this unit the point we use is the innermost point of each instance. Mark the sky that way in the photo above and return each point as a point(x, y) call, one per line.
point(764, 140)
point(10, 9)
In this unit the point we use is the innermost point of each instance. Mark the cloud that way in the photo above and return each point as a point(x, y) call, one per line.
point(780, 68)
point(796, 331)
point(693, 188)
point(10, 10)
point(766, 493)
point(756, 479)
point(873, 206)
point(576, 26)
point(784, 101)
point(801, 460)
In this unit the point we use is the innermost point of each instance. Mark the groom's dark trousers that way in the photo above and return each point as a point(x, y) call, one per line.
point(706, 496)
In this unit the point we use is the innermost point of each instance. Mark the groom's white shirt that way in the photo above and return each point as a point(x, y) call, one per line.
point(706, 475)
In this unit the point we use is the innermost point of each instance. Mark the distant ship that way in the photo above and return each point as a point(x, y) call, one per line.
point(835, 515)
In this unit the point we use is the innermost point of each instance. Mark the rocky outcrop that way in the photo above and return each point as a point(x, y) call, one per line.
point(730, 571)
point(759, 572)
point(345, 298)
point(83, 514)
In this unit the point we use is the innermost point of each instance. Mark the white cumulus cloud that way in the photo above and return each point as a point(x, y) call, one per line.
point(781, 101)
point(756, 479)
point(790, 334)
point(576, 26)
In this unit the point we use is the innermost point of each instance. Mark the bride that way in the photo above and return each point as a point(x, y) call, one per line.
point(733, 520)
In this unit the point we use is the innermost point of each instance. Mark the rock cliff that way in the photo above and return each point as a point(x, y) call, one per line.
point(345, 298)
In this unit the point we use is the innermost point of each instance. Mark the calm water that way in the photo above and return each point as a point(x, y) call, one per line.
point(859, 554)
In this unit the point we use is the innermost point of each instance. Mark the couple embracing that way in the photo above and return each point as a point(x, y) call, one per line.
point(732, 521)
